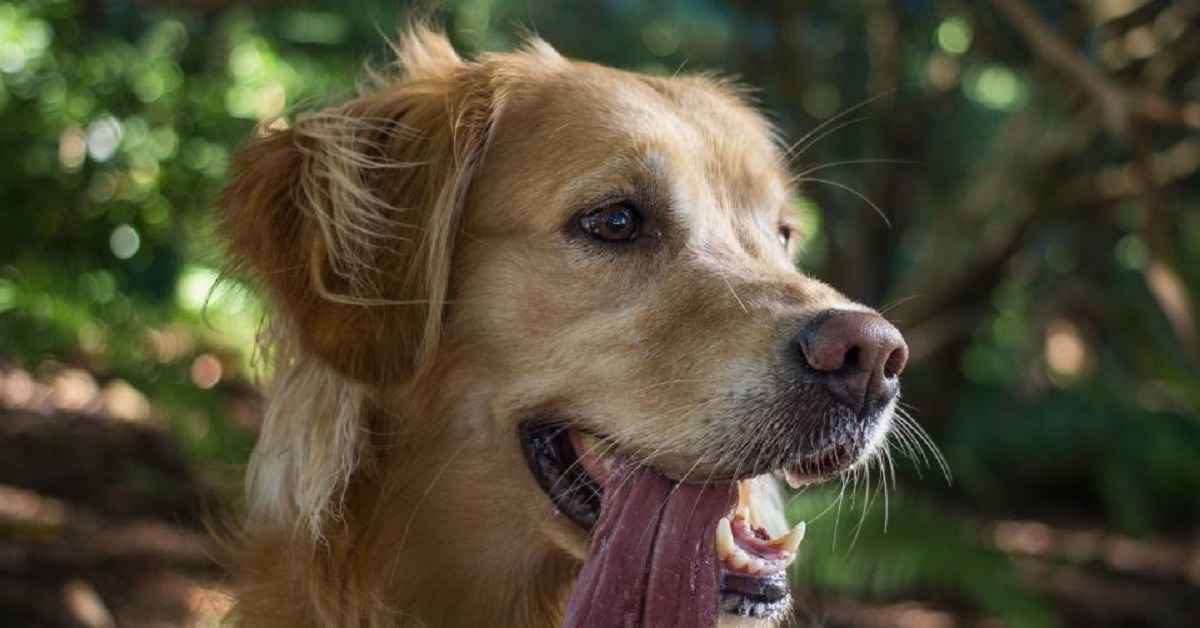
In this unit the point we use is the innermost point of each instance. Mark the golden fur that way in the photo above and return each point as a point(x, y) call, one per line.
point(428, 295)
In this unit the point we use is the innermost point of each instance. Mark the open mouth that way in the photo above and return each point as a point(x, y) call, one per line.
point(573, 467)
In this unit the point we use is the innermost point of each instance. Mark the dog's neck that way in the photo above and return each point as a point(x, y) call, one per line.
point(431, 527)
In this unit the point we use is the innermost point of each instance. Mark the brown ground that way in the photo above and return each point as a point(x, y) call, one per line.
point(101, 516)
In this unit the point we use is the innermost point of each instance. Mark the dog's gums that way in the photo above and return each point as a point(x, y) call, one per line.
point(555, 464)
point(746, 548)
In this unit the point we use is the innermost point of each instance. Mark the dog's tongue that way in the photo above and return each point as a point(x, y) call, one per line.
point(653, 558)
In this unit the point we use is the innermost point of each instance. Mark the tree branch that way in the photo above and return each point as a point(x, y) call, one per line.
point(1125, 115)
point(1119, 104)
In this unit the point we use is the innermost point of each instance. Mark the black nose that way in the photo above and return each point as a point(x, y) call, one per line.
point(858, 354)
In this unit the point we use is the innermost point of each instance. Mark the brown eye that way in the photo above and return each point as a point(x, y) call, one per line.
point(785, 235)
point(612, 223)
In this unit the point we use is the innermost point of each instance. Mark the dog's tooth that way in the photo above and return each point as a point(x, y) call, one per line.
point(597, 449)
point(739, 560)
point(725, 546)
point(781, 565)
point(752, 566)
point(745, 507)
point(790, 542)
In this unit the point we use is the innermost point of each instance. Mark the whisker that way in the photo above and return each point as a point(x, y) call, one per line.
point(919, 433)
point(735, 295)
point(833, 119)
point(792, 157)
point(912, 447)
point(866, 506)
point(850, 162)
point(837, 520)
point(898, 302)
point(851, 191)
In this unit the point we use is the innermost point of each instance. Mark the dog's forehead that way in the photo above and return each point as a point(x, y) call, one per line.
point(572, 134)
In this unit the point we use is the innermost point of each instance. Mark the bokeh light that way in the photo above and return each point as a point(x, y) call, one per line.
point(954, 36)
point(124, 242)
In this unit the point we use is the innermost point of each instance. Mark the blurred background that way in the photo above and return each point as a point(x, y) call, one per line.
point(1016, 183)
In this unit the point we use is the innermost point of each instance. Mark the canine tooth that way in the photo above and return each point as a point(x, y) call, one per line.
point(790, 542)
point(744, 508)
point(743, 497)
point(725, 546)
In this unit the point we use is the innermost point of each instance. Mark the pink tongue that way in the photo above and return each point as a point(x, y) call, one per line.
point(653, 559)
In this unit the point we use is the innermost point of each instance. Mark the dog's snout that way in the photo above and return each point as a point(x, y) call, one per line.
point(859, 354)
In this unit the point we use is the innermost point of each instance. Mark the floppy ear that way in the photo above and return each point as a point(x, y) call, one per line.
point(349, 218)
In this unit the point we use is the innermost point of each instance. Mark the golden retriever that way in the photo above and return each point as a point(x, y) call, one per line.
point(541, 352)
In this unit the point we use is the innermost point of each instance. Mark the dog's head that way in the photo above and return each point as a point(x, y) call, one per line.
point(499, 283)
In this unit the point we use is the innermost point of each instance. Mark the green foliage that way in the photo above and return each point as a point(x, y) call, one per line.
point(863, 543)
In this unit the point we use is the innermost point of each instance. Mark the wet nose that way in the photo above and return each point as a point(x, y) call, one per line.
point(860, 355)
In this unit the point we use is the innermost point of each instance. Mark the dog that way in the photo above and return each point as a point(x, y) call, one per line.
point(541, 352)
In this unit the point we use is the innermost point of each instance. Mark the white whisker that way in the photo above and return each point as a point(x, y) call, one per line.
point(854, 192)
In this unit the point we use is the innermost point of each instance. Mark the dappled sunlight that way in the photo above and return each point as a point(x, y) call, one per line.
point(28, 511)
point(1121, 554)
point(72, 390)
point(1067, 353)
point(92, 486)
point(206, 371)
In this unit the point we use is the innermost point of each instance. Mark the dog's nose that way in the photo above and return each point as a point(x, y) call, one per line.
point(859, 353)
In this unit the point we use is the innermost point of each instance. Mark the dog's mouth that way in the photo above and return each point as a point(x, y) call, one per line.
point(575, 469)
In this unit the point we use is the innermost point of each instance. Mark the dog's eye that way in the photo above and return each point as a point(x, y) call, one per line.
point(612, 223)
point(785, 235)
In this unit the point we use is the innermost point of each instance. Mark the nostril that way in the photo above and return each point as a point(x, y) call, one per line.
point(895, 362)
point(852, 357)
point(857, 356)
point(856, 350)
point(852, 341)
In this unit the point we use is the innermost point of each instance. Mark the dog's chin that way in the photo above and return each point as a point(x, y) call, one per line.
point(571, 466)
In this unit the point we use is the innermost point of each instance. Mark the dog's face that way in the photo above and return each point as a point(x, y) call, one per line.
point(627, 271)
point(620, 286)
point(627, 265)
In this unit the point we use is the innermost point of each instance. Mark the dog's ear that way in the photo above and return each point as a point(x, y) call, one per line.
point(349, 217)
